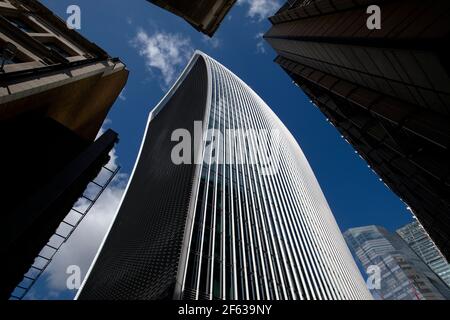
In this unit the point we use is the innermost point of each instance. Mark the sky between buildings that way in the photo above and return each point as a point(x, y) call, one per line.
point(156, 45)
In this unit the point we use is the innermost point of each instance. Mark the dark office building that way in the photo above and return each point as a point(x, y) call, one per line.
point(56, 89)
point(203, 15)
point(225, 226)
point(387, 91)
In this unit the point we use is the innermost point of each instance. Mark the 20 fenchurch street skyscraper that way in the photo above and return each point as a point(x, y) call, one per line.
point(245, 219)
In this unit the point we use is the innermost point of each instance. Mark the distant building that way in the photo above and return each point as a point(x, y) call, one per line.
point(203, 15)
point(387, 91)
point(418, 240)
point(246, 220)
point(404, 275)
point(56, 89)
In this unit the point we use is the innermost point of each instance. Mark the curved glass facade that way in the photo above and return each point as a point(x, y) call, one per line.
point(246, 220)
point(262, 228)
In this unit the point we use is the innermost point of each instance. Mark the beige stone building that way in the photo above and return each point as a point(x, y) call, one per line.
point(46, 63)
point(56, 89)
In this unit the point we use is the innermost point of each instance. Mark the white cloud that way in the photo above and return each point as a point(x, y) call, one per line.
point(261, 9)
point(165, 52)
point(260, 45)
point(212, 42)
point(82, 246)
point(122, 95)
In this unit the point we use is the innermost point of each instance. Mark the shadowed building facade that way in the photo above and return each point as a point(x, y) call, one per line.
point(56, 89)
point(203, 15)
point(245, 220)
point(387, 91)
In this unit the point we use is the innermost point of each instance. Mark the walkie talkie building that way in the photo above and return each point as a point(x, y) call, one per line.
point(245, 219)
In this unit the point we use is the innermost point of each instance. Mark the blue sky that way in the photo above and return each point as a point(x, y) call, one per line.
point(155, 45)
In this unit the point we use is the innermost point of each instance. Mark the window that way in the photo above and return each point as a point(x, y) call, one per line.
point(58, 49)
point(13, 60)
point(21, 24)
point(9, 54)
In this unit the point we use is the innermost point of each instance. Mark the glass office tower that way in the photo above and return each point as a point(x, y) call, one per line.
point(403, 274)
point(418, 239)
point(245, 219)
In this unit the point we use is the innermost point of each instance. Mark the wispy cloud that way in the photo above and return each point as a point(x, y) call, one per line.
point(260, 9)
point(80, 250)
point(212, 42)
point(122, 95)
point(164, 52)
point(260, 45)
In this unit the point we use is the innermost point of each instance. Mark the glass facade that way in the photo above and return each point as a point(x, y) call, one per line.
point(419, 240)
point(262, 228)
point(404, 276)
point(247, 220)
